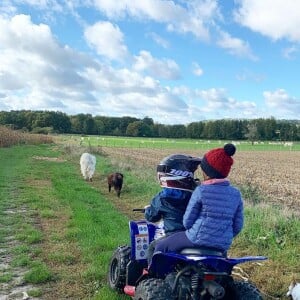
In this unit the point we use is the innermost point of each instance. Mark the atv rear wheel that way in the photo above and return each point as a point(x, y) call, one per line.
point(117, 268)
point(153, 289)
point(242, 290)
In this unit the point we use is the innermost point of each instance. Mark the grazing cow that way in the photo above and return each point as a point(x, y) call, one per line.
point(294, 290)
point(115, 180)
point(87, 166)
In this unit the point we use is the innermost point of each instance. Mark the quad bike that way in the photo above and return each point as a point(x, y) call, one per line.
point(194, 273)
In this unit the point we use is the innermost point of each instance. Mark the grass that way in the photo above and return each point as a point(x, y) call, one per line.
point(178, 144)
point(39, 273)
point(5, 278)
point(35, 293)
point(267, 232)
point(67, 229)
point(21, 260)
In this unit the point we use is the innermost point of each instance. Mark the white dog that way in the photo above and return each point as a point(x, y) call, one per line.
point(294, 291)
point(87, 166)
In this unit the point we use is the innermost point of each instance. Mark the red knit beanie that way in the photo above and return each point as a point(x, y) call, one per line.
point(217, 163)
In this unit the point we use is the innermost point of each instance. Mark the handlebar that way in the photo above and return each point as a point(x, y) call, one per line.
point(139, 209)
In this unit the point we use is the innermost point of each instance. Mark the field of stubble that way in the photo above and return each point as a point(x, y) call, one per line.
point(275, 175)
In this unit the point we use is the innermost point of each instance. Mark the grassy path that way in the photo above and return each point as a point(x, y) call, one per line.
point(62, 229)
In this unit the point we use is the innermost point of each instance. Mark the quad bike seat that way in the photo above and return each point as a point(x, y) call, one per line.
point(202, 251)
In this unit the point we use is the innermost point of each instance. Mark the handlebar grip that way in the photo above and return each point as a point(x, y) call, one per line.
point(139, 209)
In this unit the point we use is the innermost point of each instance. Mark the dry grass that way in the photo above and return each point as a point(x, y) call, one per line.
point(10, 137)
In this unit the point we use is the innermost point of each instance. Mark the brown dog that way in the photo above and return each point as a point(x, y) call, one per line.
point(115, 180)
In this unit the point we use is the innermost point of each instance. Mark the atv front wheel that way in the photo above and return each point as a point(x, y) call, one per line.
point(242, 290)
point(117, 268)
point(153, 289)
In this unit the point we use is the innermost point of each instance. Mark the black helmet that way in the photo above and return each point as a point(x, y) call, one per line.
point(177, 171)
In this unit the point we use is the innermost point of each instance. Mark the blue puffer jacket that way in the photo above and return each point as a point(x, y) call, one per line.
point(169, 205)
point(214, 215)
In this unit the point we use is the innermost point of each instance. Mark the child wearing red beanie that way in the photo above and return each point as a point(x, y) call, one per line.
point(214, 215)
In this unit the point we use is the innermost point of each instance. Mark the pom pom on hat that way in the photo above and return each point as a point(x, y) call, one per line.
point(217, 163)
point(229, 149)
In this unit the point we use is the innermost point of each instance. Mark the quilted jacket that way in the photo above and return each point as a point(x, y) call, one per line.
point(214, 215)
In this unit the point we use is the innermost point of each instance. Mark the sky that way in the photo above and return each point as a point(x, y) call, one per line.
point(176, 62)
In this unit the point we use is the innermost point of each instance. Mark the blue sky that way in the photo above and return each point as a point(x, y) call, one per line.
point(174, 61)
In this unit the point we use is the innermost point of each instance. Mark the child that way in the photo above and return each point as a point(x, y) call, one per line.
point(176, 176)
point(214, 215)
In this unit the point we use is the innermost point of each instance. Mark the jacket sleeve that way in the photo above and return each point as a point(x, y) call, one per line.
point(238, 221)
point(193, 209)
point(153, 212)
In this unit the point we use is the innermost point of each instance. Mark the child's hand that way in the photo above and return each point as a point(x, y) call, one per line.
point(145, 207)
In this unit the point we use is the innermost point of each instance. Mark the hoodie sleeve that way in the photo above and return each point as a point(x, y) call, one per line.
point(238, 221)
point(153, 212)
point(193, 209)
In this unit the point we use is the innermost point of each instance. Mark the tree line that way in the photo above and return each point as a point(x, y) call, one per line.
point(49, 122)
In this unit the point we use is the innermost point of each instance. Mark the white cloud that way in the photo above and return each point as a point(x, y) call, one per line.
point(107, 39)
point(165, 107)
point(197, 70)
point(35, 71)
point(159, 40)
point(276, 19)
point(290, 52)
point(123, 81)
point(161, 68)
point(191, 19)
point(282, 103)
point(250, 75)
point(235, 46)
point(7, 9)
point(216, 102)
point(53, 5)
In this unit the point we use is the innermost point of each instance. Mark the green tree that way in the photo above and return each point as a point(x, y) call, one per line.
point(195, 130)
point(177, 131)
point(138, 128)
point(133, 128)
point(270, 128)
point(123, 123)
point(89, 125)
point(252, 133)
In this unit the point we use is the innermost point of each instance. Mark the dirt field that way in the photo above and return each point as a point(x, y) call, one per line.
point(276, 174)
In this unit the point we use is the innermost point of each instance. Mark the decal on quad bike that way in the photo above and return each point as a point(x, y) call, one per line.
point(143, 228)
point(142, 242)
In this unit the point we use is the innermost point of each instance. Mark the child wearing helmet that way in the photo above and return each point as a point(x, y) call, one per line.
point(214, 215)
point(175, 174)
